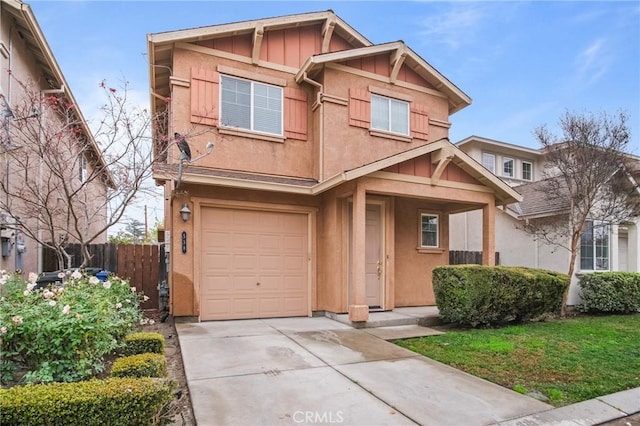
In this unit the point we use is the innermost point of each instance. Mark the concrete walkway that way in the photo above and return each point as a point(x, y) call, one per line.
point(319, 371)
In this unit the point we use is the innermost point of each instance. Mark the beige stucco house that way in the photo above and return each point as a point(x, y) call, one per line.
point(28, 65)
point(332, 179)
point(604, 247)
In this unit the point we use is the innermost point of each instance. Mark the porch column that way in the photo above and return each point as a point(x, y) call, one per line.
point(489, 234)
point(634, 247)
point(358, 308)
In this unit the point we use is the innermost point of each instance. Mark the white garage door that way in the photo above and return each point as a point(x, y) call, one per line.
point(254, 264)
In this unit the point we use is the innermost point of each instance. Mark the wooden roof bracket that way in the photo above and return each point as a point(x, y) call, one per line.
point(443, 157)
point(327, 32)
point(397, 59)
point(258, 33)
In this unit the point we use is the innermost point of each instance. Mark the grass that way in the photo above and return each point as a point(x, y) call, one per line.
point(567, 360)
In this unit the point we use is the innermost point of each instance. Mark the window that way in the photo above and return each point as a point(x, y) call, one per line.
point(251, 105)
point(594, 246)
point(507, 167)
point(390, 115)
point(489, 162)
point(527, 170)
point(428, 230)
point(82, 168)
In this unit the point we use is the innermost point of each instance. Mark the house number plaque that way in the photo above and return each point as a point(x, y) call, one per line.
point(184, 242)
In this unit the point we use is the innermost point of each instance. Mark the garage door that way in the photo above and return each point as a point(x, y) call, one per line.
point(254, 264)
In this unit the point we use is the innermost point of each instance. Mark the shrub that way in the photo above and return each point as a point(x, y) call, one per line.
point(62, 334)
point(610, 292)
point(94, 402)
point(484, 295)
point(141, 365)
point(140, 343)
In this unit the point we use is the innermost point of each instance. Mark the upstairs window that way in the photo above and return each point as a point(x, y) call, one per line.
point(428, 230)
point(389, 115)
point(527, 170)
point(489, 162)
point(251, 105)
point(507, 167)
point(594, 246)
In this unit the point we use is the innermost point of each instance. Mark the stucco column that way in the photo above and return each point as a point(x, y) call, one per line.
point(358, 308)
point(489, 234)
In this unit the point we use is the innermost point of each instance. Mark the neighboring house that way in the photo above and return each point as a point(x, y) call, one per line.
point(26, 57)
point(604, 247)
point(332, 178)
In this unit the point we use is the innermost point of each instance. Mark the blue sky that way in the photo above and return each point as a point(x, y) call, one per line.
point(522, 63)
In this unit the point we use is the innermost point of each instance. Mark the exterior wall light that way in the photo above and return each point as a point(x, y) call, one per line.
point(185, 212)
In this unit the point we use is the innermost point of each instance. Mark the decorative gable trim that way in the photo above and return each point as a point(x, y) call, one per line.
point(204, 96)
point(359, 108)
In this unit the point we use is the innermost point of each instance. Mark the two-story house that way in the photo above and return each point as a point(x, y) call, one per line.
point(603, 247)
point(332, 179)
point(28, 66)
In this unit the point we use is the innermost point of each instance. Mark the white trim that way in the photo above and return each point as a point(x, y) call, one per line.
point(421, 244)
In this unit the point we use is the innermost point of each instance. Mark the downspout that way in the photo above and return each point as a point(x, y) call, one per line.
point(316, 104)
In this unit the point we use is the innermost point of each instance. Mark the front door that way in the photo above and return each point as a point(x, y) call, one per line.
point(374, 261)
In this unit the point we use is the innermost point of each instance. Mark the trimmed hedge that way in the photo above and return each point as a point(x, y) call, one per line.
point(126, 401)
point(141, 365)
point(610, 292)
point(141, 343)
point(484, 295)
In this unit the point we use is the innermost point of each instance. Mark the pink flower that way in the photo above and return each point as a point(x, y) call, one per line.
point(48, 294)
point(61, 275)
point(3, 330)
point(52, 303)
point(76, 275)
point(26, 292)
point(145, 298)
point(118, 305)
point(33, 277)
point(106, 284)
point(17, 320)
point(133, 289)
point(94, 280)
point(31, 286)
point(66, 309)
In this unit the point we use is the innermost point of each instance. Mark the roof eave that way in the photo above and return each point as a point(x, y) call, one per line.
point(54, 69)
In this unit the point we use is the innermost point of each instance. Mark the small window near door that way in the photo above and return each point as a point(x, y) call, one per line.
point(428, 230)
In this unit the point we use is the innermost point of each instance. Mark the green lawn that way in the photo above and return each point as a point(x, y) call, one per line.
point(568, 360)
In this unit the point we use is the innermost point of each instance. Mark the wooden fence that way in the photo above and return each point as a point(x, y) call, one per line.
point(468, 257)
point(139, 263)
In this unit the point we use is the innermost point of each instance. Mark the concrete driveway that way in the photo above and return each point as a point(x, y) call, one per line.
point(319, 371)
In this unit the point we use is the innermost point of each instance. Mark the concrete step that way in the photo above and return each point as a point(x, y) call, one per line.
point(425, 316)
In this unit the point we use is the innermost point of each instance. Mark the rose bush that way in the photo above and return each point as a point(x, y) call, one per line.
point(62, 334)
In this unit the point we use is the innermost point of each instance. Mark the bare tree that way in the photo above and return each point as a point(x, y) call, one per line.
point(64, 183)
point(586, 177)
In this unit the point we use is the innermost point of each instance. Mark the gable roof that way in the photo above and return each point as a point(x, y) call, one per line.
point(473, 139)
point(401, 54)
point(160, 45)
point(28, 27)
point(208, 176)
